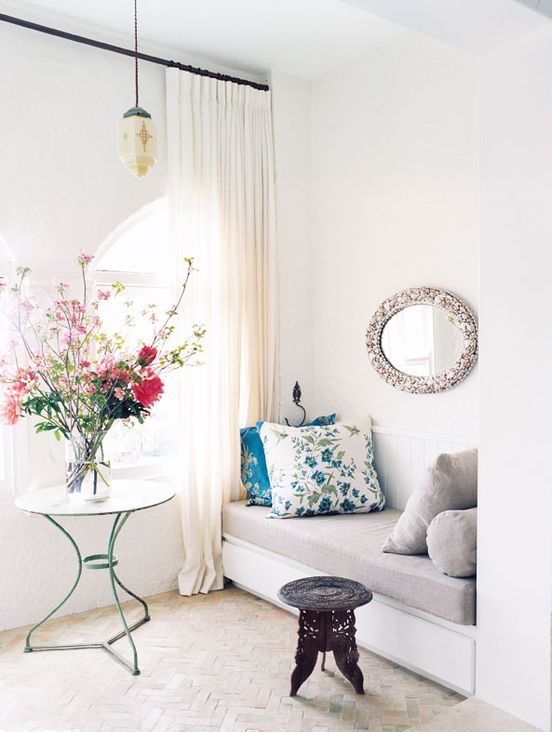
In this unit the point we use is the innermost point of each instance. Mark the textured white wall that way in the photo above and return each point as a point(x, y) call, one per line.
point(389, 204)
point(291, 117)
point(62, 188)
point(515, 496)
point(394, 205)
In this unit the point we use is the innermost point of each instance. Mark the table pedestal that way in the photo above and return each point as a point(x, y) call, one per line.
point(322, 631)
point(98, 561)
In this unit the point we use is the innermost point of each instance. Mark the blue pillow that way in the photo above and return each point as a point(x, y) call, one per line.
point(254, 473)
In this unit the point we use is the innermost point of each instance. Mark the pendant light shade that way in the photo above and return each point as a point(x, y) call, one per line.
point(137, 141)
point(137, 138)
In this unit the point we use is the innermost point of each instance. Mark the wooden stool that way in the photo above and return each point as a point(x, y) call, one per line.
point(326, 623)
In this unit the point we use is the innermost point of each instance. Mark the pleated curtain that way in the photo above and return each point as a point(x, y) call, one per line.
point(222, 212)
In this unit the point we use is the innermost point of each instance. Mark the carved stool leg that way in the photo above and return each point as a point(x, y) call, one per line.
point(344, 648)
point(307, 648)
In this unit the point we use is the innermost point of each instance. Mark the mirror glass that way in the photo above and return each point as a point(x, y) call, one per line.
point(421, 340)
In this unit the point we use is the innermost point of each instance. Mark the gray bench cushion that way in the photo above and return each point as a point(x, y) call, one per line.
point(350, 546)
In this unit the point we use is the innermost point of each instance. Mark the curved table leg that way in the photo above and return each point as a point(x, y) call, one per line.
point(28, 648)
point(136, 597)
point(309, 642)
point(115, 531)
point(344, 647)
point(132, 666)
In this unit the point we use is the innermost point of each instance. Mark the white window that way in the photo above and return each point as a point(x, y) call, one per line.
point(137, 254)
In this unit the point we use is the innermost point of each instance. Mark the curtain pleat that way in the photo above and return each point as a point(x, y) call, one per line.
point(222, 211)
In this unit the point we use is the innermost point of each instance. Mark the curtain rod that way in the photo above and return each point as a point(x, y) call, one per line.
point(127, 52)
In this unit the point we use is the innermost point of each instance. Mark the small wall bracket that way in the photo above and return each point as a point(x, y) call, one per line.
point(296, 397)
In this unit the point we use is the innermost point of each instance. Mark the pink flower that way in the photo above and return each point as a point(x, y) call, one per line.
point(23, 382)
point(119, 393)
point(104, 294)
point(147, 392)
point(84, 258)
point(147, 355)
point(121, 375)
point(10, 409)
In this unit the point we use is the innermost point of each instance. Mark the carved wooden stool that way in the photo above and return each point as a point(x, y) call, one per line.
point(326, 623)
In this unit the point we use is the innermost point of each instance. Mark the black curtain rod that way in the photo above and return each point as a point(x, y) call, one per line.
point(127, 52)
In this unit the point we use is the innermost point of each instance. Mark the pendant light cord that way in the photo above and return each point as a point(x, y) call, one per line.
point(136, 48)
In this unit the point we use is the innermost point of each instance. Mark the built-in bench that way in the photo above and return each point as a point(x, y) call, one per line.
point(350, 546)
point(419, 617)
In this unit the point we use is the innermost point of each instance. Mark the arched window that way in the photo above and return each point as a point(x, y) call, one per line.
point(137, 255)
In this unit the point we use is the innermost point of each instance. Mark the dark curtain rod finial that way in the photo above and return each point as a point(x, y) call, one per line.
point(128, 52)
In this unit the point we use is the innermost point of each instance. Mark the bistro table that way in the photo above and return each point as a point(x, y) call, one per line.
point(127, 497)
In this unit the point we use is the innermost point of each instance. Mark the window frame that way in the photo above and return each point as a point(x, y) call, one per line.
point(153, 467)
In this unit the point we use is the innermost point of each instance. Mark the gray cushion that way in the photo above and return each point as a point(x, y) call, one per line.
point(452, 542)
point(350, 546)
point(450, 483)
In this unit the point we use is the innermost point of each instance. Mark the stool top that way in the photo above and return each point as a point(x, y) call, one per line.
point(324, 594)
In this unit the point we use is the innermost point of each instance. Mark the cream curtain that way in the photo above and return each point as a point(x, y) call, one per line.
point(221, 200)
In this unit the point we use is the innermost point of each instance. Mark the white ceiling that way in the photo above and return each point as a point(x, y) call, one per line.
point(541, 6)
point(477, 26)
point(306, 38)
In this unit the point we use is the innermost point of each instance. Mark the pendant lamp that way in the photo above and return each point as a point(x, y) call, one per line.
point(137, 139)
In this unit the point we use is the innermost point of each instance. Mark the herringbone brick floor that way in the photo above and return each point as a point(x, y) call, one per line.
point(212, 662)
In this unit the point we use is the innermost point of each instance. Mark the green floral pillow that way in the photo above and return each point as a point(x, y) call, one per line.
point(321, 470)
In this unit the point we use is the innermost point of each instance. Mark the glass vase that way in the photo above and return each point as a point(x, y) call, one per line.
point(87, 472)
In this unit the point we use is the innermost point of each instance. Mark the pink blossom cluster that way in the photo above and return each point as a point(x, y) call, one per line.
point(21, 383)
point(75, 375)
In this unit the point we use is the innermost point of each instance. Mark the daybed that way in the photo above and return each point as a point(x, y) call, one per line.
point(419, 617)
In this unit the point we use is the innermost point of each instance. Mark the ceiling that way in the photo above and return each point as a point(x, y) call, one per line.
point(477, 26)
point(541, 6)
point(307, 38)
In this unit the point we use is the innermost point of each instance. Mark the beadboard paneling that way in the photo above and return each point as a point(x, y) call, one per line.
point(403, 457)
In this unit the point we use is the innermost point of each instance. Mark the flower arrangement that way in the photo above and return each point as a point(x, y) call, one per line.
point(66, 370)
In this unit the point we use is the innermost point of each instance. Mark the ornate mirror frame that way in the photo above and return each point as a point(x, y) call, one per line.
point(462, 318)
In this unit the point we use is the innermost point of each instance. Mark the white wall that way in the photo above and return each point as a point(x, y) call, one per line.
point(515, 489)
point(394, 205)
point(291, 118)
point(62, 188)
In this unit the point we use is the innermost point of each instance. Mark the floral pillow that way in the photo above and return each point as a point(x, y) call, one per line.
point(254, 474)
point(321, 470)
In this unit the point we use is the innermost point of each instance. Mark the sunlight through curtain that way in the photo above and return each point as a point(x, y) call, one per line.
point(222, 212)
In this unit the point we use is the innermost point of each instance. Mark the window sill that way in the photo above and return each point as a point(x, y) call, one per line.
point(144, 469)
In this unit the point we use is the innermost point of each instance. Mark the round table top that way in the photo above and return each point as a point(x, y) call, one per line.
point(324, 594)
point(126, 495)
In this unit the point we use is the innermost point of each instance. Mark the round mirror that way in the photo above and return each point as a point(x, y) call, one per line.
point(422, 340)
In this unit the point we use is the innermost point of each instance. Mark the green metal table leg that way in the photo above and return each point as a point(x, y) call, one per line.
point(28, 648)
point(136, 597)
point(117, 526)
point(99, 561)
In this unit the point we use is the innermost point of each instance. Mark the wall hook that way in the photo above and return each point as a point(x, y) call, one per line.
point(296, 397)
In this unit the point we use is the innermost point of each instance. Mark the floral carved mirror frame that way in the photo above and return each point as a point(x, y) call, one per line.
point(462, 318)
